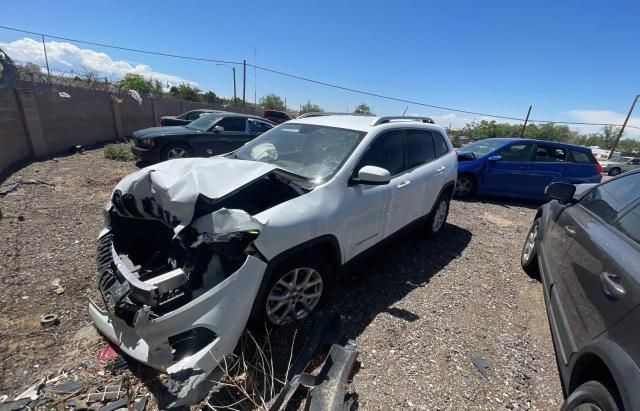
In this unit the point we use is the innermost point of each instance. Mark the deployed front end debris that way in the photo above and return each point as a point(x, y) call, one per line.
point(178, 283)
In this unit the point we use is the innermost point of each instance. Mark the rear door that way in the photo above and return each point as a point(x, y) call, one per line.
point(423, 172)
point(599, 279)
point(509, 174)
point(549, 165)
point(581, 168)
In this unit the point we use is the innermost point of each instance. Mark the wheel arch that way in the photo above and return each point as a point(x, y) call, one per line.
point(607, 362)
point(326, 245)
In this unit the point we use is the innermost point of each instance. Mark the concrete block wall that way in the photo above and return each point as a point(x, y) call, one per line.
point(13, 145)
point(37, 123)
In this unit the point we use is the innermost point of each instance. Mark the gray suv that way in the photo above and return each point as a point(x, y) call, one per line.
point(585, 247)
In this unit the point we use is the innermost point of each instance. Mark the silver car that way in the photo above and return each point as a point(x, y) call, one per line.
point(619, 164)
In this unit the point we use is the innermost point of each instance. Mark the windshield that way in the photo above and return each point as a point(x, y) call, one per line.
point(311, 151)
point(204, 122)
point(620, 159)
point(482, 147)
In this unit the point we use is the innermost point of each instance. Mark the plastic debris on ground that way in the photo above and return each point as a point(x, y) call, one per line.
point(106, 353)
point(482, 365)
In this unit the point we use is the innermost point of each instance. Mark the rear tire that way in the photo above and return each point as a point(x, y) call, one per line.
point(614, 172)
point(465, 186)
point(438, 216)
point(529, 255)
point(175, 150)
point(592, 395)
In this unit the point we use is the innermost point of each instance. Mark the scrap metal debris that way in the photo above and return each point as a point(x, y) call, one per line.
point(328, 390)
point(482, 365)
point(109, 393)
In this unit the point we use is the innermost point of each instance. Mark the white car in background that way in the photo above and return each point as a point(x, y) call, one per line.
point(619, 164)
point(193, 249)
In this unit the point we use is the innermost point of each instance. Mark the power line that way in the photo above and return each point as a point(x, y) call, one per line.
point(281, 73)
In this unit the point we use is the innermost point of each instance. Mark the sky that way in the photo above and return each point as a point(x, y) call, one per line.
point(572, 60)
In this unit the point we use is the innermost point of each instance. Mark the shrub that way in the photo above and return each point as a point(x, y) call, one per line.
point(119, 152)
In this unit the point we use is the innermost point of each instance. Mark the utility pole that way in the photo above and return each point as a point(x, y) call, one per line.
point(526, 120)
point(233, 69)
point(244, 83)
point(46, 59)
point(615, 143)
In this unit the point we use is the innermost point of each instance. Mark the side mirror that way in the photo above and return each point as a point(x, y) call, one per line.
point(562, 192)
point(373, 175)
point(218, 129)
point(495, 158)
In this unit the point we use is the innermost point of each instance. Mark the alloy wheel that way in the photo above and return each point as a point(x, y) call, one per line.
point(294, 295)
point(530, 245)
point(177, 152)
point(439, 216)
point(464, 186)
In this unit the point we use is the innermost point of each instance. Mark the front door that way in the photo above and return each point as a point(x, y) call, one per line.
point(599, 280)
point(233, 137)
point(507, 172)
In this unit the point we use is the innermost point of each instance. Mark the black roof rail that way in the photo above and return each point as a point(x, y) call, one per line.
point(387, 119)
point(324, 113)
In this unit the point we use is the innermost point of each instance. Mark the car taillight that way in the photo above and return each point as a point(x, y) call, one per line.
point(598, 168)
point(161, 122)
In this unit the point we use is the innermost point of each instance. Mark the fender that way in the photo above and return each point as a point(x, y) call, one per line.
point(623, 368)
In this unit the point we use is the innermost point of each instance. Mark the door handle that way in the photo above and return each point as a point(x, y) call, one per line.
point(569, 230)
point(611, 286)
point(441, 169)
point(403, 184)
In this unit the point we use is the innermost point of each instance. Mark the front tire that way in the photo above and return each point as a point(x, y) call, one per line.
point(438, 216)
point(465, 186)
point(176, 150)
point(614, 172)
point(529, 255)
point(295, 290)
point(591, 396)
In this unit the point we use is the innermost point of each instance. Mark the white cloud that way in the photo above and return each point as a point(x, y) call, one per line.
point(67, 57)
point(604, 116)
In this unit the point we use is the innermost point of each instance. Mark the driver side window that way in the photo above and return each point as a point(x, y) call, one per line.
point(386, 151)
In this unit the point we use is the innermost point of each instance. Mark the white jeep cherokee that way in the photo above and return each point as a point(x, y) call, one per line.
point(192, 249)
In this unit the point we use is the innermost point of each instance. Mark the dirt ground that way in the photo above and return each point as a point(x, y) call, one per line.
point(420, 310)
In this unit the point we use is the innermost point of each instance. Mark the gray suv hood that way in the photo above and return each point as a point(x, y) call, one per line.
point(169, 190)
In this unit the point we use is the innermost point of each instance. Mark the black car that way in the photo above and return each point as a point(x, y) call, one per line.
point(278, 117)
point(210, 134)
point(586, 249)
point(185, 118)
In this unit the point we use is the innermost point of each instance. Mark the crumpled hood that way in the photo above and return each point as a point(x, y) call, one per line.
point(169, 190)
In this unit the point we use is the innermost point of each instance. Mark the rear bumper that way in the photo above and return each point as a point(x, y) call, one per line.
point(223, 311)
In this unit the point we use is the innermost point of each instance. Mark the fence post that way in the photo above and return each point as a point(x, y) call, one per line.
point(154, 112)
point(30, 116)
point(117, 116)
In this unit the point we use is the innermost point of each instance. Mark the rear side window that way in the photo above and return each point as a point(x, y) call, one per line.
point(441, 145)
point(635, 162)
point(550, 154)
point(387, 151)
point(608, 199)
point(193, 115)
point(256, 126)
point(582, 157)
point(420, 148)
point(517, 152)
point(232, 124)
point(629, 224)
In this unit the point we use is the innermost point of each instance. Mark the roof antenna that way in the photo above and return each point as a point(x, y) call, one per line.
point(405, 111)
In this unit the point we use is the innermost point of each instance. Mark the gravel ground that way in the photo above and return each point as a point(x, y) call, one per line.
point(420, 310)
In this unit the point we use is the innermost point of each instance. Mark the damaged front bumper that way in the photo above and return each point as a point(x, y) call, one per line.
point(189, 342)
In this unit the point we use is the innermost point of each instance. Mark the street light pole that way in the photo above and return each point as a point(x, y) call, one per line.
point(615, 143)
point(233, 69)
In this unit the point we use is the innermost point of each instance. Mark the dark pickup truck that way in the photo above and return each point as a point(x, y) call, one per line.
point(185, 118)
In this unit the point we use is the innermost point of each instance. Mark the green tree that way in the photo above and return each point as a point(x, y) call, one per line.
point(272, 102)
point(185, 92)
point(363, 109)
point(310, 108)
point(211, 98)
point(132, 81)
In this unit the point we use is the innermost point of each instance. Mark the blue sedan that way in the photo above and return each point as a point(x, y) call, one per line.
point(514, 167)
